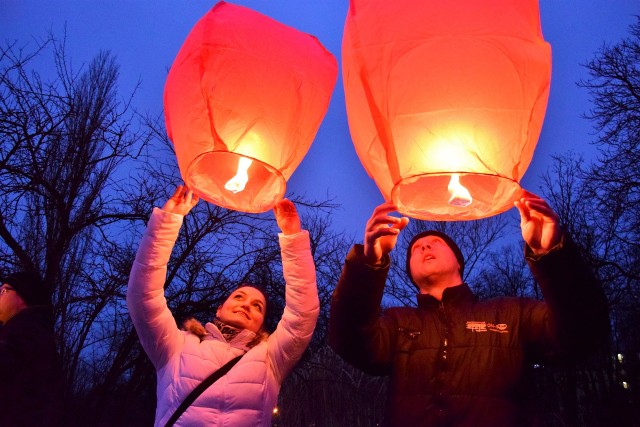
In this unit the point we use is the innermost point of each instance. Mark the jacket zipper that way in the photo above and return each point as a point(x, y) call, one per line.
point(445, 336)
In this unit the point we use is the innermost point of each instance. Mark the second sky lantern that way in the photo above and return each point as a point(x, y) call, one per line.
point(243, 101)
point(446, 101)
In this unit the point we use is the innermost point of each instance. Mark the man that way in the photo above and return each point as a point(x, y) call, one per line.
point(30, 374)
point(455, 361)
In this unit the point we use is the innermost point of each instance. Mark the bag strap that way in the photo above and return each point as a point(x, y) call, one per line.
point(200, 388)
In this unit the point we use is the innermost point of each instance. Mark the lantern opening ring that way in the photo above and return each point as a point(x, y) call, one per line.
point(209, 172)
point(426, 196)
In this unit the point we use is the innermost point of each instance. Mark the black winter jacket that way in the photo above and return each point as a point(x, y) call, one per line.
point(30, 372)
point(460, 361)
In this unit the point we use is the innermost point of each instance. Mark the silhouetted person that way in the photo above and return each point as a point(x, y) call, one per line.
point(30, 373)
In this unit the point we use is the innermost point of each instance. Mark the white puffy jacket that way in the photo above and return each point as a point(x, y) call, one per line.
point(247, 394)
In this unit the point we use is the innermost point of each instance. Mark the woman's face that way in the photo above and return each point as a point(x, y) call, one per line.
point(244, 309)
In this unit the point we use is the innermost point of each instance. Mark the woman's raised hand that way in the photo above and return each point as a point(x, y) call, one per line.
point(287, 217)
point(182, 201)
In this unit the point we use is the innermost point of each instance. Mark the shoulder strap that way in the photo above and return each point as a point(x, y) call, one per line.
point(200, 388)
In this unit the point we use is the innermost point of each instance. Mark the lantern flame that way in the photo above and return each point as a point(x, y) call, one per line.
point(460, 196)
point(238, 182)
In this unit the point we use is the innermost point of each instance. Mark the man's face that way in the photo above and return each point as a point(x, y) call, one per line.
point(10, 302)
point(244, 309)
point(432, 259)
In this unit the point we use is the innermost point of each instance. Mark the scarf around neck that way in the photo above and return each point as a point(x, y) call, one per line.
point(228, 332)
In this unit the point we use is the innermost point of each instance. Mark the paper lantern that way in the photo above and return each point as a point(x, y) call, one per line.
point(443, 92)
point(243, 101)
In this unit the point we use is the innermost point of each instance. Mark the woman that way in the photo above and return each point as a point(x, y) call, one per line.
point(247, 394)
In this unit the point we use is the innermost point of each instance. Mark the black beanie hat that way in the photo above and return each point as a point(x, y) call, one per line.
point(448, 240)
point(30, 288)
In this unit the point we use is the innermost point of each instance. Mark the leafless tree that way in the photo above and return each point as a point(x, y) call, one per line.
point(65, 139)
point(325, 391)
point(614, 179)
point(600, 201)
point(599, 204)
point(506, 273)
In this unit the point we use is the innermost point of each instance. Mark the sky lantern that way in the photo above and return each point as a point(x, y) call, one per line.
point(243, 101)
point(446, 100)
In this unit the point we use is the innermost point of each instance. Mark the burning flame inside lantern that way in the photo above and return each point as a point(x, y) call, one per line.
point(237, 183)
point(459, 194)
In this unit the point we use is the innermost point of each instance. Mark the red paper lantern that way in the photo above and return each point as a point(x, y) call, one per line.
point(441, 92)
point(243, 101)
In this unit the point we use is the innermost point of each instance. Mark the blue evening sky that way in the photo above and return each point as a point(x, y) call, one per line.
point(145, 36)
